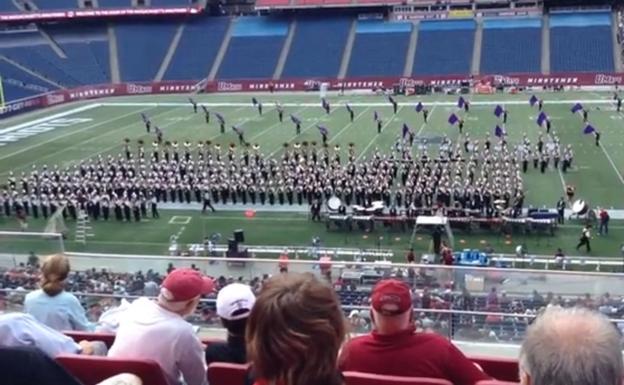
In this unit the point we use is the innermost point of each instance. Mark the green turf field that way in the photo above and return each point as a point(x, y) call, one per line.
point(92, 128)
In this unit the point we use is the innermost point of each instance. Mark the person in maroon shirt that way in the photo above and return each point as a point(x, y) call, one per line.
point(395, 348)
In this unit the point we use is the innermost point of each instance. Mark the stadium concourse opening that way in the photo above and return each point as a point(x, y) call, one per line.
point(454, 168)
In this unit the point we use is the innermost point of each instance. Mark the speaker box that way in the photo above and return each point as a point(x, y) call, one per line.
point(239, 236)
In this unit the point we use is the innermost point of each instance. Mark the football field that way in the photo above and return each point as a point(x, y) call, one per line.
point(69, 134)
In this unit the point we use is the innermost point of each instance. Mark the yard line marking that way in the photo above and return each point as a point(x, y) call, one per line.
point(563, 183)
point(275, 125)
point(422, 126)
point(612, 163)
point(48, 118)
point(294, 136)
point(39, 144)
point(348, 125)
point(377, 136)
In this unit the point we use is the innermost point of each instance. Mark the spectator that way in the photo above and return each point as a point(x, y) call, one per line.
point(157, 330)
point(22, 330)
point(295, 331)
point(559, 257)
point(395, 348)
point(234, 304)
point(411, 257)
point(571, 347)
point(52, 305)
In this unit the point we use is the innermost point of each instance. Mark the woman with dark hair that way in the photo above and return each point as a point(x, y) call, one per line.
point(52, 305)
point(295, 331)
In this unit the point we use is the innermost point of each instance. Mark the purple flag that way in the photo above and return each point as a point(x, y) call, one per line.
point(144, 117)
point(406, 130)
point(391, 99)
point(348, 107)
point(499, 132)
point(453, 119)
point(322, 129)
point(295, 119)
point(237, 129)
point(461, 102)
point(219, 117)
point(533, 100)
point(576, 108)
point(541, 118)
point(498, 111)
point(254, 101)
point(589, 129)
point(419, 107)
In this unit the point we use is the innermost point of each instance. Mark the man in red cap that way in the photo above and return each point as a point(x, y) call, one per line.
point(395, 348)
point(157, 330)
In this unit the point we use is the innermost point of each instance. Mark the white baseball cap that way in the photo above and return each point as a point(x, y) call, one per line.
point(235, 301)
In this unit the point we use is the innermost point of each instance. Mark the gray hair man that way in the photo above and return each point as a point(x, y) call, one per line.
point(571, 347)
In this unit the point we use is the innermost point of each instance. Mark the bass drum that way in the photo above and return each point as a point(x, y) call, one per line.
point(580, 207)
point(333, 203)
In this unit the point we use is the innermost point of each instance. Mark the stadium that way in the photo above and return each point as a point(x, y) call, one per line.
point(465, 151)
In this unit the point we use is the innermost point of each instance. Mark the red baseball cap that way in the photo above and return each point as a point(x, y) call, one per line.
point(391, 297)
point(185, 284)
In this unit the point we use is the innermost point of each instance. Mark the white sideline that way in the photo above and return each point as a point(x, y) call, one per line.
point(48, 118)
point(356, 104)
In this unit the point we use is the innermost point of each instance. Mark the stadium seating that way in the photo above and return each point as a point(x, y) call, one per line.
point(504, 369)
point(141, 48)
point(114, 3)
point(511, 46)
point(56, 4)
point(7, 6)
point(444, 47)
point(581, 42)
point(170, 3)
point(19, 84)
point(42, 60)
point(357, 378)
point(379, 48)
point(317, 47)
point(221, 373)
point(196, 53)
point(90, 370)
point(260, 38)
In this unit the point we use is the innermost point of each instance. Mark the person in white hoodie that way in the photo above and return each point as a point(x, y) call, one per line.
point(157, 330)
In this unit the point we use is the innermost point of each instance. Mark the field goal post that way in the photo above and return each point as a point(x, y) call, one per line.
point(17, 246)
point(423, 222)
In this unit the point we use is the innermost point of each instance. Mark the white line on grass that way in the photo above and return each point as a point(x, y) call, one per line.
point(39, 144)
point(293, 137)
point(377, 136)
point(48, 118)
point(348, 125)
point(422, 126)
point(273, 126)
point(612, 163)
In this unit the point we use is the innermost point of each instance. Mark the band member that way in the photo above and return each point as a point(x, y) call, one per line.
point(460, 125)
point(584, 239)
point(394, 104)
point(146, 121)
point(548, 125)
point(325, 105)
point(221, 120)
point(619, 104)
point(254, 101)
point(540, 104)
point(194, 104)
point(379, 126)
point(297, 122)
point(505, 116)
point(206, 114)
point(259, 108)
point(350, 110)
point(585, 115)
point(570, 192)
point(159, 134)
point(467, 106)
point(315, 210)
point(280, 111)
point(425, 114)
point(561, 205)
point(241, 135)
point(597, 137)
point(206, 201)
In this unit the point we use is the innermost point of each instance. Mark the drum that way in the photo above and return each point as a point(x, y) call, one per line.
point(333, 203)
point(580, 207)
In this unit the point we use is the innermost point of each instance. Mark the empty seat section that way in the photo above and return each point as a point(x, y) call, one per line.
point(114, 3)
point(270, 3)
point(8, 6)
point(141, 48)
point(197, 49)
point(20, 84)
point(444, 47)
point(379, 49)
point(41, 59)
point(317, 47)
point(511, 46)
point(581, 42)
point(170, 3)
point(56, 4)
point(254, 48)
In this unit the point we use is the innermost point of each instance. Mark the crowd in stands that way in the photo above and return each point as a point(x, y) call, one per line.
point(293, 331)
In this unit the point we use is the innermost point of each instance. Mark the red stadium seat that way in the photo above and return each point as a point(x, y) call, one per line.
point(358, 378)
point(503, 369)
point(107, 338)
point(494, 382)
point(269, 3)
point(222, 373)
point(90, 370)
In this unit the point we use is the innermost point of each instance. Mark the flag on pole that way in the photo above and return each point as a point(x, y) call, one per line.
point(322, 129)
point(295, 119)
point(461, 102)
point(237, 129)
point(375, 116)
point(406, 130)
point(348, 107)
point(541, 118)
point(498, 111)
point(589, 129)
point(499, 132)
point(220, 117)
point(391, 99)
point(419, 107)
point(533, 100)
point(254, 101)
point(144, 117)
point(192, 101)
point(453, 119)
point(576, 108)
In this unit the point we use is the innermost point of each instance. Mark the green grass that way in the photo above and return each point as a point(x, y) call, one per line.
point(595, 177)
